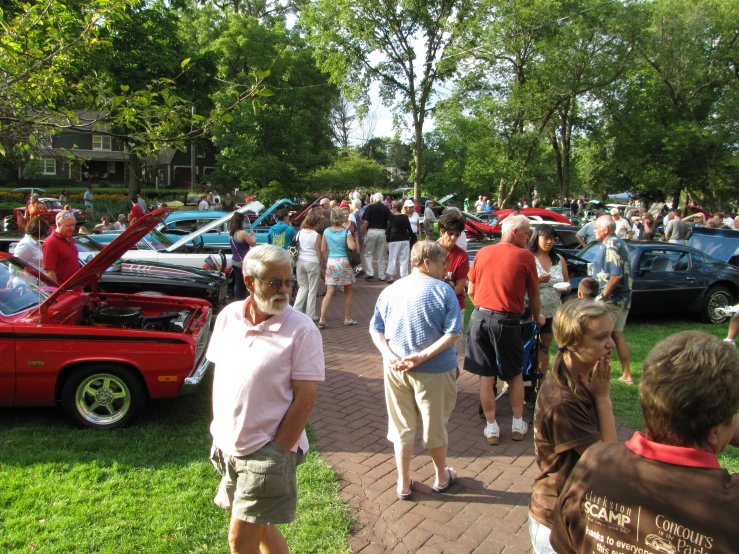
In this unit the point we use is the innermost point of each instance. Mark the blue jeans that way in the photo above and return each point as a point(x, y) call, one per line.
point(540, 537)
point(240, 291)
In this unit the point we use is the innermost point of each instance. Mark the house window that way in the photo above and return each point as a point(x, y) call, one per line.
point(49, 166)
point(111, 168)
point(100, 142)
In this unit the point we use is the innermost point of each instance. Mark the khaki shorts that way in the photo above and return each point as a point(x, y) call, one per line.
point(618, 315)
point(261, 487)
point(429, 395)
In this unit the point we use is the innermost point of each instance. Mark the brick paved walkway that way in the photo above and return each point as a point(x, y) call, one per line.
point(485, 511)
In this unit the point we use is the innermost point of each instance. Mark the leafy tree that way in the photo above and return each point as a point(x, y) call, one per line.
point(401, 45)
point(272, 148)
point(672, 124)
point(348, 171)
point(44, 93)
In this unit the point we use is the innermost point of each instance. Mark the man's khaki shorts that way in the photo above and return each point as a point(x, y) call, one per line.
point(618, 315)
point(260, 487)
point(412, 394)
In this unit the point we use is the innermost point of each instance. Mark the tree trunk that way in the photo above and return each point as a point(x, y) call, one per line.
point(134, 170)
point(418, 158)
point(558, 160)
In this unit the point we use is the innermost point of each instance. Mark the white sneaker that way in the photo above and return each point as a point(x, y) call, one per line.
point(730, 341)
point(492, 433)
point(728, 311)
point(519, 430)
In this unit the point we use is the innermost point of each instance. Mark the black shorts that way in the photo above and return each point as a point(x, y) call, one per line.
point(494, 346)
point(547, 328)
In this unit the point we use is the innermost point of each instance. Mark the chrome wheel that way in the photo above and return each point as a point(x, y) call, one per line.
point(102, 399)
point(718, 297)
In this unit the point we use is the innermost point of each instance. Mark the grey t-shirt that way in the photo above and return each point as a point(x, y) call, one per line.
point(677, 230)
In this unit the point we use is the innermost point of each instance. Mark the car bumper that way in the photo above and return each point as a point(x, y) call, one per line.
point(192, 383)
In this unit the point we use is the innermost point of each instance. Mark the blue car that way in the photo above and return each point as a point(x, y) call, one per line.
point(182, 223)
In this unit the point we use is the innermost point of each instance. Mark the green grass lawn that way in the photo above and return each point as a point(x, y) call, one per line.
point(148, 488)
point(642, 335)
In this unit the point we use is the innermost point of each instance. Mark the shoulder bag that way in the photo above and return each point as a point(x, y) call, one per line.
point(354, 258)
point(294, 247)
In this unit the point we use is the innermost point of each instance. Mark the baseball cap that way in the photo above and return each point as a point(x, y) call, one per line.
point(324, 201)
point(409, 203)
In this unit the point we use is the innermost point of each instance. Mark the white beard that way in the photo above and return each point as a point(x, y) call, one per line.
point(270, 306)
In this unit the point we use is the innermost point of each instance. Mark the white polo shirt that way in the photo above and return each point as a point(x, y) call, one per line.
point(254, 367)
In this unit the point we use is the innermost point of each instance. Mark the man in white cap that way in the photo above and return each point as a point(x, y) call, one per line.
point(623, 229)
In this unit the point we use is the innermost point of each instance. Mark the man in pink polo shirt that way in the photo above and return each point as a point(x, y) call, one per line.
point(664, 490)
point(268, 363)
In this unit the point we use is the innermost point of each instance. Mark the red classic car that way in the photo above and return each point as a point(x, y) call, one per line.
point(536, 215)
point(49, 209)
point(100, 355)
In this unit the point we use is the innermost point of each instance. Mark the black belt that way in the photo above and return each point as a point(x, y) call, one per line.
point(504, 314)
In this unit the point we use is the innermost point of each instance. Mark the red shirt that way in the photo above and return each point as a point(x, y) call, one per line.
point(501, 275)
point(458, 265)
point(60, 256)
point(135, 213)
point(417, 208)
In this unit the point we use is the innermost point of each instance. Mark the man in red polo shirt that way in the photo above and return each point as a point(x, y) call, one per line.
point(61, 260)
point(663, 491)
point(500, 277)
point(135, 212)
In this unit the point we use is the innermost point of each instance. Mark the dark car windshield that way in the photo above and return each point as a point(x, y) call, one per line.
point(20, 289)
point(157, 241)
point(86, 244)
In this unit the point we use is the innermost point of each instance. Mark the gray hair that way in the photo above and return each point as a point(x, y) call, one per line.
point(259, 257)
point(514, 223)
point(606, 221)
point(64, 215)
point(357, 203)
point(377, 197)
point(424, 249)
point(337, 216)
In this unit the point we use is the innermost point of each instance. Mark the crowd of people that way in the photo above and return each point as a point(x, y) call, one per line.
point(590, 489)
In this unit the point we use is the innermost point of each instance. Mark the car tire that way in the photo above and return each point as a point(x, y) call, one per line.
point(102, 397)
point(716, 297)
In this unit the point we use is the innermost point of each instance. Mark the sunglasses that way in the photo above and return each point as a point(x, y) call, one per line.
point(276, 284)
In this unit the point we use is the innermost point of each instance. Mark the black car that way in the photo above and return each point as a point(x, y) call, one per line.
point(669, 278)
point(138, 277)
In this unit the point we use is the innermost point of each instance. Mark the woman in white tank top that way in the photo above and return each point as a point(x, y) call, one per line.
point(308, 270)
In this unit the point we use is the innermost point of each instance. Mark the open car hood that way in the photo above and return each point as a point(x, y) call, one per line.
point(717, 243)
point(91, 271)
point(251, 207)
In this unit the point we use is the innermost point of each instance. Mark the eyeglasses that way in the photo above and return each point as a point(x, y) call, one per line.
point(276, 284)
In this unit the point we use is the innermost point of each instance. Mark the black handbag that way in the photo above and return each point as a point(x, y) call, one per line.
point(294, 247)
point(354, 258)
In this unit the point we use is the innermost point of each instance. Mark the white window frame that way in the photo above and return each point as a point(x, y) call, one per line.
point(102, 139)
point(45, 161)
